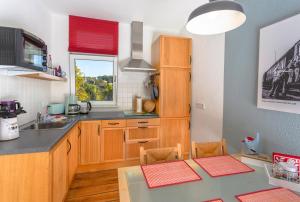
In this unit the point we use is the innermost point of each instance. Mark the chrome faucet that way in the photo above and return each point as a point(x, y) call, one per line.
point(38, 117)
point(38, 120)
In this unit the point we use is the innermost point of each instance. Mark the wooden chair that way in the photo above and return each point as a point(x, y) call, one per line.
point(209, 149)
point(151, 156)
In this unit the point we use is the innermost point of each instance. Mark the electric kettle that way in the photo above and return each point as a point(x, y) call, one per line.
point(85, 107)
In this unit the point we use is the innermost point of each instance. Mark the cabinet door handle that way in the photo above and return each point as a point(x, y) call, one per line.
point(124, 135)
point(190, 108)
point(143, 127)
point(70, 146)
point(143, 122)
point(143, 142)
point(113, 124)
point(99, 130)
point(79, 131)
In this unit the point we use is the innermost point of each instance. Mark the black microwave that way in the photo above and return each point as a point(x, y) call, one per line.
point(22, 49)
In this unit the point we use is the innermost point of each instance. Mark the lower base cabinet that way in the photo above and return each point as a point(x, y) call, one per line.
point(133, 149)
point(64, 164)
point(90, 142)
point(73, 153)
point(40, 177)
point(113, 147)
point(60, 171)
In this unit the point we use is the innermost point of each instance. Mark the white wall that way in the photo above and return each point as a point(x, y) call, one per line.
point(129, 83)
point(35, 18)
point(207, 87)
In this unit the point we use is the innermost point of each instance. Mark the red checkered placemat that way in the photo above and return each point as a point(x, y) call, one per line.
point(215, 200)
point(270, 195)
point(222, 165)
point(165, 174)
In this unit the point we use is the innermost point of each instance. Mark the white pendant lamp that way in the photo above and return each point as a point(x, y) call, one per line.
point(215, 17)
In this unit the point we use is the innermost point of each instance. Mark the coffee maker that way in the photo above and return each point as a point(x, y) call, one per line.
point(9, 128)
point(71, 106)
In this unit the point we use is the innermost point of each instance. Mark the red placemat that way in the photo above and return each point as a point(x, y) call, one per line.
point(215, 200)
point(165, 174)
point(270, 195)
point(222, 165)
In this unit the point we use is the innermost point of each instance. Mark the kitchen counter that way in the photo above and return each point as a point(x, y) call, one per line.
point(31, 141)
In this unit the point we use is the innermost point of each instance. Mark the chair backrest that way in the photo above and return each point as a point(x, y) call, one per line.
point(151, 156)
point(209, 149)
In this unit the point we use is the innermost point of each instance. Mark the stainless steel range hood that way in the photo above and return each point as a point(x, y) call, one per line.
point(136, 62)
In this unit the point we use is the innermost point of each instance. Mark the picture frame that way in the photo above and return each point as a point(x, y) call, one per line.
point(279, 66)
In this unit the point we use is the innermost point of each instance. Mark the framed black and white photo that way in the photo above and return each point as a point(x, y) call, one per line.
point(279, 66)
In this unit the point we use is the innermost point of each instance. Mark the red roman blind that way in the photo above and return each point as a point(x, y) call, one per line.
point(89, 35)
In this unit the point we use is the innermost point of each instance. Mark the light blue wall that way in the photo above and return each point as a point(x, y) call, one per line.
point(280, 131)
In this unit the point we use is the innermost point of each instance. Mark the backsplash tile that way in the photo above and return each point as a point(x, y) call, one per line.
point(31, 93)
point(127, 92)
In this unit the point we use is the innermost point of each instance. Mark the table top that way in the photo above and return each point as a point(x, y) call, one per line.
point(133, 187)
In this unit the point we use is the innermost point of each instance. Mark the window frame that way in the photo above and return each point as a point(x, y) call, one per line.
point(82, 56)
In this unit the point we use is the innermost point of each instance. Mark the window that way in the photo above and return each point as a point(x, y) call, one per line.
point(93, 78)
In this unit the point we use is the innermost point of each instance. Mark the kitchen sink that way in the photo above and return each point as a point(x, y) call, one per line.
point(47, 125)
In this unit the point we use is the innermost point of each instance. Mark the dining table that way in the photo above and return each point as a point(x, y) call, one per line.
point(133, 186)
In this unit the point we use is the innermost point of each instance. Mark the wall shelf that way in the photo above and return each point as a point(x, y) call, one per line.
point(23, 72)
point(42, 76)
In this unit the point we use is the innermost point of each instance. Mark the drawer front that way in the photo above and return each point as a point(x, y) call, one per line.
point(113, 124)
point(133, 149)
point(142, 133)
point(143, 122)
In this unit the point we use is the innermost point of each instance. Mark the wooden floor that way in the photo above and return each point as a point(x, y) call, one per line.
point(97, 183)
point(95, 186)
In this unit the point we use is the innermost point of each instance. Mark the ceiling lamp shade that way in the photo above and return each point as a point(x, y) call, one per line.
point(215, 17)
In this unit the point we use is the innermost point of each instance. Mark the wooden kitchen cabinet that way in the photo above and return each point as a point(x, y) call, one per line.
point(141, 132)
point(113, 144)
point(90, 142)
point(73, 153)
point(60, 171)
point(175, 92)
point(172, 51)
point(25, 177)
point(174, 131)
point(133, 148)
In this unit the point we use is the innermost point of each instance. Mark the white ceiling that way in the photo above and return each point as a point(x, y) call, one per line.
point(162, 14)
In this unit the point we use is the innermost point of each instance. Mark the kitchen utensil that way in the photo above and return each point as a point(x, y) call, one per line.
point(56, 108)
point(9, 128)
point(149, 106)
point(10, 107)
point(86, 107)
point(71, 100)
point(155, 92)
point(73, 109)
point(139, 105)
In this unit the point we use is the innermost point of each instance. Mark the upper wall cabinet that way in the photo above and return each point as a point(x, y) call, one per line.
point(171, 51)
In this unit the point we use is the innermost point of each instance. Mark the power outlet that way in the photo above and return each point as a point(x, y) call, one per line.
point(200, 106)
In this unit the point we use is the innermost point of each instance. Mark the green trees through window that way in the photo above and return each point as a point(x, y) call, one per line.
point(93, 87)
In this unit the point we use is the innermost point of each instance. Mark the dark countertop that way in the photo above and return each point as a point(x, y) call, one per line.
point(31, 141)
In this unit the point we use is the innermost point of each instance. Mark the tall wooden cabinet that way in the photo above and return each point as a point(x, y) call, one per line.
point(172, 57)
point(172, 51)
point(175, 92)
